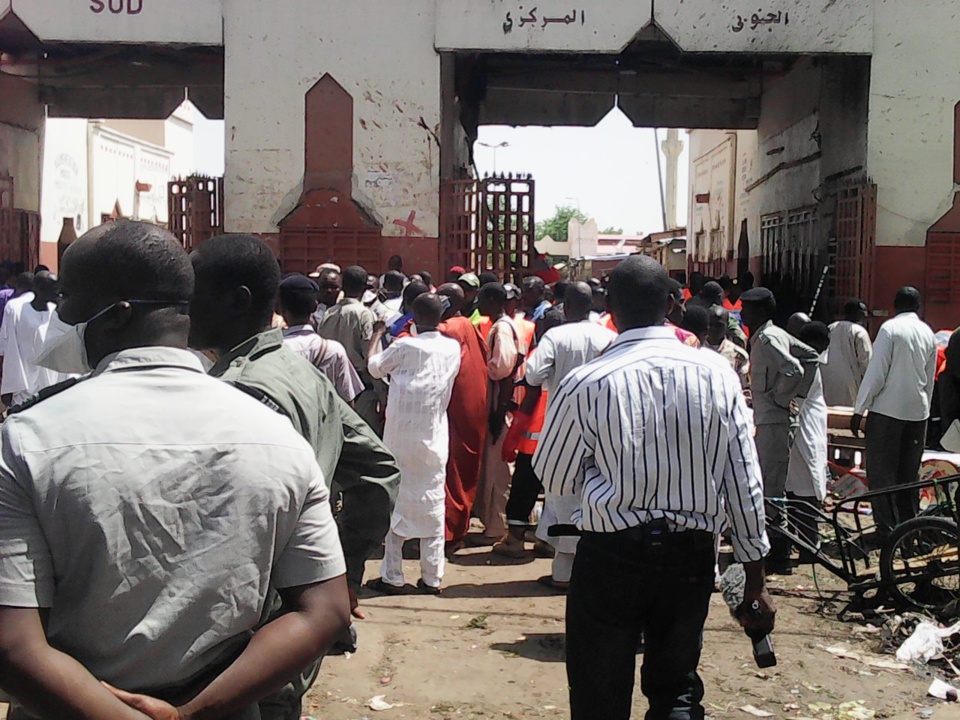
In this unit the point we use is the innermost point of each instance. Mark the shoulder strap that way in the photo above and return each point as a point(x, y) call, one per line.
point(259, 395)
point(46, 394)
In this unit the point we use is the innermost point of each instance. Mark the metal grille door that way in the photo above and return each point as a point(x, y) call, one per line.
point(9, 231)
point(489, 225)
point(856, 224)
point(196, 209)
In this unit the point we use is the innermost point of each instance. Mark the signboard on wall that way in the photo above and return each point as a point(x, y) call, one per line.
point(197, 22)
point(604, 26)
point(781, 26)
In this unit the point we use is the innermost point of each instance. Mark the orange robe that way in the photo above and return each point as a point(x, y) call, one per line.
point(467, 418)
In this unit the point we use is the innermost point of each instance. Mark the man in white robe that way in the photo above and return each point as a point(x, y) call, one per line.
point(807, 471)
point(25, 329)
point(422, 370)
point(848, 356)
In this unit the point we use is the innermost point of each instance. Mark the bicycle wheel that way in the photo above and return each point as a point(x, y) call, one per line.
point(919, 564)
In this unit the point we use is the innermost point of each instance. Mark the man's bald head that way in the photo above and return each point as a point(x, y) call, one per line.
point(797, 322)
point(455, 296)
point(578, 302)
point(638, 293)
point(427, 312)
point(138, 276)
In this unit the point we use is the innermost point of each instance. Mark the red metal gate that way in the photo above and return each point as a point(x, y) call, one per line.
point(9, 232)
point(489, 225)
point(195, 209)
point(856, 227)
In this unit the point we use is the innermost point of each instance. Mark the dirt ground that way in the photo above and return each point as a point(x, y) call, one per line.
point(492, 647)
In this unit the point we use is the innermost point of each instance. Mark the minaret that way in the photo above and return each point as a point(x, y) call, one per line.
point(672, 147)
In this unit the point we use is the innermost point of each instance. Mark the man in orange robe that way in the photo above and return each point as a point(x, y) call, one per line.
point(466, 416)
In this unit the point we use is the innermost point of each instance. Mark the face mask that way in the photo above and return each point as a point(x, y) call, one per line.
point(64, 348)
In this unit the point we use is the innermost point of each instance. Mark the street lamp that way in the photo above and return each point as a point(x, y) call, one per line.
point(494, 148)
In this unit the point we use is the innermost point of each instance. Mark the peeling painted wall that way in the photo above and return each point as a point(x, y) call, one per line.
point(381, 52)
point(21, 133)
point(915, 83)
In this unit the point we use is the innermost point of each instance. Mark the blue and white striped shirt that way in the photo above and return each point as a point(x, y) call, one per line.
point(655, 429)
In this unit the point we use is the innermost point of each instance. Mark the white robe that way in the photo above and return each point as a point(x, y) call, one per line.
point(22, 336)
point(422, 370)
point(807, 473)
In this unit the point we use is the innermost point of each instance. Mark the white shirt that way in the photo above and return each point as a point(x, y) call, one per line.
point(654, 429)
point(899, 379)
point(847, 359)
point(807, 471)
point(422, 371)
point(562, 350)
point(328, 356)
point(24, 335)
point(150, 507)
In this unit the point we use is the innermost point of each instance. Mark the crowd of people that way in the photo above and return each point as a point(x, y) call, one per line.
point(201, 454)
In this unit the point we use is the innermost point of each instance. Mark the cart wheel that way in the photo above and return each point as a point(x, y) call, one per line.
point(919, 563)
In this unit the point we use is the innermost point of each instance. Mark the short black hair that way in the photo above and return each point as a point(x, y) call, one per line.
point(815, 334)
point(907, 300)
point(696, 320)
point(395, 260)
point(411, 292)
point(354, 280)
point(560, 290)
point(676, 290)
point(488, 277)
point(227, 262)
point(24, 283)
point(427, 278)
point(638, 291)
point(427, 310)
point(132, 260)
point(392, 281)
point(40, 269)
point(495, 292)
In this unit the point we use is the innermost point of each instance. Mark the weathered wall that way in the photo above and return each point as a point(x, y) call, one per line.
point(382, 53)
point(21, 134)
point(914, 87)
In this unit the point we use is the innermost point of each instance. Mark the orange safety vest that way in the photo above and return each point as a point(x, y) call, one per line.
point(531, 437)
point(484, 327)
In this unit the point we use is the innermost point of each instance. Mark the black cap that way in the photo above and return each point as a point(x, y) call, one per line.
point(298, 282)
point(757, 295)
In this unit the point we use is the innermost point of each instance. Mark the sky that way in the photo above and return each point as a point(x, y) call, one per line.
point(609, 171)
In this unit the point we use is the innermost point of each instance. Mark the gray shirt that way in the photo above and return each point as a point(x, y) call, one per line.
point(776, 374)
point(350, 323)
point(149, 508)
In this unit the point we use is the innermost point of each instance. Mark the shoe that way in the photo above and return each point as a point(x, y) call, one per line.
point(385, 588)
point(428, 589)
point(543, 549)
point(779, 568)
point(510, 547)
point(548, 581)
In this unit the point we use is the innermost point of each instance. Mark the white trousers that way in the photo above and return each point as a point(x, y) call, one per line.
point(563, 566)
point(432, 560)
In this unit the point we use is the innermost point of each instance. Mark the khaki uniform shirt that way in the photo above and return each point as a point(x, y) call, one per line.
point(346, 448)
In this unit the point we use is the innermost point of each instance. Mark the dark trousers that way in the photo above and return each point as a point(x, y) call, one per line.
point(628, 583)
point(524, 490)
point(894, 451)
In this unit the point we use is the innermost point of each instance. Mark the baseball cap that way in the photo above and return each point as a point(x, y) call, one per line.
point(757, 295)
point(513, 292)
point(321, 268)
point(298, 282)
point(470, 279)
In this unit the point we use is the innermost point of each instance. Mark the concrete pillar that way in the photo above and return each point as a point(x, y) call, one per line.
point(672, 147)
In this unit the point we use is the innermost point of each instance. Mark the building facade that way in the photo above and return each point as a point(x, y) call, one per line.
point(841, 113)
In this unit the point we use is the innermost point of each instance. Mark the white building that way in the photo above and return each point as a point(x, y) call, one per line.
point(843, 96)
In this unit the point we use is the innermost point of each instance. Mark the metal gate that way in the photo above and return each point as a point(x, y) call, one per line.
point(195, 209)
point(855, 231)
point(489, 225)
point(9, 230)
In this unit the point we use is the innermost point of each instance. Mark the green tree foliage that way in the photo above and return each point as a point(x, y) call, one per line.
point(612, 231)
point(556, 227)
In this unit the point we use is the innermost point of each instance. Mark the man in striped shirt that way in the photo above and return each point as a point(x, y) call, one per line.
point(654, 438)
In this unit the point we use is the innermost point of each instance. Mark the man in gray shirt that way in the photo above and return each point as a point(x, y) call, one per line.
point(145, 511)
point(778, 377)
